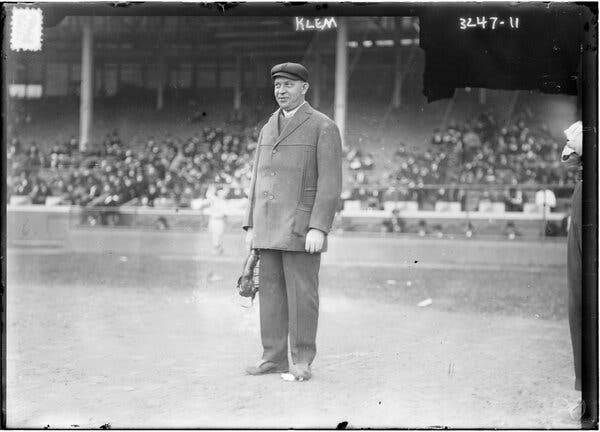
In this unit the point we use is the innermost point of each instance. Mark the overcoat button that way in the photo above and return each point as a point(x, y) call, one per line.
point(271, 197)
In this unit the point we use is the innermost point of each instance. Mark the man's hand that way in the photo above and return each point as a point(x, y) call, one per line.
point(314, 241)
point(249, 239)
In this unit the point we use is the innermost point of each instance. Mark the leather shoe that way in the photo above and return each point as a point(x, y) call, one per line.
point(267, 367)
point(301, 371)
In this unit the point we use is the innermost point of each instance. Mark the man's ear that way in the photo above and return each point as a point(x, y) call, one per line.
point(305, 87)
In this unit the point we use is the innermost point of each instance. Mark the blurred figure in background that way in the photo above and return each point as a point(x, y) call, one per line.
point(394, 224)
point(572, 157)
point(216, 211)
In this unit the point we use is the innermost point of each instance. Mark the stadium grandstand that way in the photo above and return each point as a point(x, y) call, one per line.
point(138, 112)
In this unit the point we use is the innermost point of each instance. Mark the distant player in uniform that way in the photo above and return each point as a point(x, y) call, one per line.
point(296, 184)
point(571, 155)
point(217, 218)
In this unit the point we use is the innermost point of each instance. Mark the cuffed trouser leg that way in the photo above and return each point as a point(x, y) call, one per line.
point(273, 303)
point(301, 272)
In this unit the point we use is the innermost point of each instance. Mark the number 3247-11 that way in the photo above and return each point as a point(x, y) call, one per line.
point(494, 23)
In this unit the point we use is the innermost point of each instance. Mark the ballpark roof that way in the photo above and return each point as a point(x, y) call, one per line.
point(206, 37)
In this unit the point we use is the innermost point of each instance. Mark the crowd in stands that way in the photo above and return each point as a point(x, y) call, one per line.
point(171, 172)
point(174, 171)
point(477, 152)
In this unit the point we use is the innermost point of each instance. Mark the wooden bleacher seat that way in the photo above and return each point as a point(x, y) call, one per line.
point(498, 207)
point(196, 204)
point(447, 206)
point(352, 205)
point(20, 200)
point(164, 203)
point(484, 206)
point(53, 200)
point(532, 208)
point(410, 206)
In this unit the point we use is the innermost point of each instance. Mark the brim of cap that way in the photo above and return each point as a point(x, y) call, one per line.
point(287, 75)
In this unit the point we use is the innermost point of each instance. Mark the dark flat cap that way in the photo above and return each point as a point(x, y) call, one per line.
point(293, 71)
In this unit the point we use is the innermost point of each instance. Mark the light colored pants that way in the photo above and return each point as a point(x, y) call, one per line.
point(216, 228)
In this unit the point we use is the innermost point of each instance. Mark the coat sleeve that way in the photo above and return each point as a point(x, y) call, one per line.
point(250, 207)
point(329, 178)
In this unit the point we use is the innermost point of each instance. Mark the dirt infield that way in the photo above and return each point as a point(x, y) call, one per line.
point(144, 340)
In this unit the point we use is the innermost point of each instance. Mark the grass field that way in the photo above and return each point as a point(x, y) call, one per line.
point(131, 337)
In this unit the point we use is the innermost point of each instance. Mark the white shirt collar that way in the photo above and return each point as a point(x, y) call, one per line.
point(288, 114)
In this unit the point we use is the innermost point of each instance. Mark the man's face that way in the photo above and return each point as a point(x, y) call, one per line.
point(289, 93)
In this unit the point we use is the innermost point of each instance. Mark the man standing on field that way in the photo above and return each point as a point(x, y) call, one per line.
point(572, 157)
point(296, 184)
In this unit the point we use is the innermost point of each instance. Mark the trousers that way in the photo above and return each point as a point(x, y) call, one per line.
point(289, 305)
point(216, 228)
point(574, 282)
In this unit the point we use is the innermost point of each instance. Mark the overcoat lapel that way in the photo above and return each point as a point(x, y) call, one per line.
point(272, 128)
point(300, 117)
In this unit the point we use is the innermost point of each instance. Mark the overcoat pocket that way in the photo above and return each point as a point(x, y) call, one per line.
point(301, 221)
point(307, 199)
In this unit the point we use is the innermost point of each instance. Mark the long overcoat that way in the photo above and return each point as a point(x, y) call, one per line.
point(296, 180)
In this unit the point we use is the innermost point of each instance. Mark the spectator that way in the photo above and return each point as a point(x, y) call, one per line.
point(473, 152)
point(394, 224)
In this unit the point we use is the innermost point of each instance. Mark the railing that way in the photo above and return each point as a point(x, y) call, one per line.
point(541, 215)
point(469, 196)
